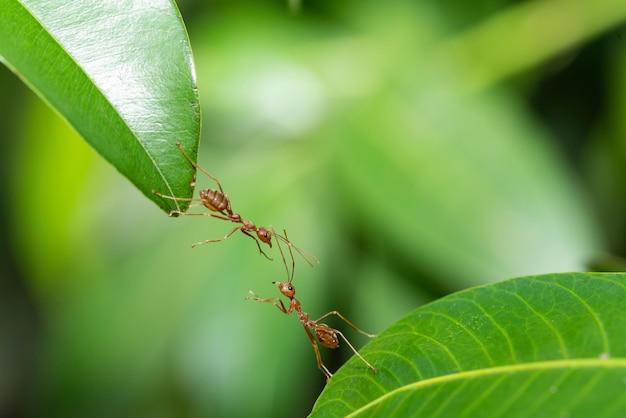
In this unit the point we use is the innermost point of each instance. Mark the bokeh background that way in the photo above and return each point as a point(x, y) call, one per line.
point(416, 148)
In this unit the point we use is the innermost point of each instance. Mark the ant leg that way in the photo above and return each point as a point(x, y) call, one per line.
point(186, 199)
point(355, 351)
point(214, 240)
point(227, 235)
point(346, 321)
point(274, 301)
point(196, 205)
point(318, 355)
point(193, 163)
point(177, 212)
point(180, 212)
point(255, 240)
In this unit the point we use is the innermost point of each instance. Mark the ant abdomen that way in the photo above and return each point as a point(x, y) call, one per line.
point(214, 200)
point(326, 336)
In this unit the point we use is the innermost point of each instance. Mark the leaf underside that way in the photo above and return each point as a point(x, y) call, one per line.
point(551, 345)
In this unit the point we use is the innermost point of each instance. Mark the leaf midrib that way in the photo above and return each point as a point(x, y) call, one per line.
point(540, 365)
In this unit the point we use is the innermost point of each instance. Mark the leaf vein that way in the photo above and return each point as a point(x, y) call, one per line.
point(542, 365)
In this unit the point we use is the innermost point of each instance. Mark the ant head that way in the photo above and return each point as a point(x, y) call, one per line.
point(286, 288)
point(265, 235)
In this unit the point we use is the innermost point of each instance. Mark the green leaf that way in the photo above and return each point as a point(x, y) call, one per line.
point(552, 345)
point(121, 73)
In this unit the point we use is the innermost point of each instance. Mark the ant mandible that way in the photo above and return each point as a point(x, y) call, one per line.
point(326, 335)
point(218, 201)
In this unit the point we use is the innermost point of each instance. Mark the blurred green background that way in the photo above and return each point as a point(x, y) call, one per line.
point(416, 148)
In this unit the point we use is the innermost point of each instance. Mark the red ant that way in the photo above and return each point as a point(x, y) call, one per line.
point(218, 201)
point(326, 335)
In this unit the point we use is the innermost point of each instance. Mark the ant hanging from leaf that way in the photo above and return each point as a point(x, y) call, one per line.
point(218, 201)
point(326, 335)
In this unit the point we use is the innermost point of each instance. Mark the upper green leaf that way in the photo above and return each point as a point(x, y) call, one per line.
point(552, 345)
point(121, 73)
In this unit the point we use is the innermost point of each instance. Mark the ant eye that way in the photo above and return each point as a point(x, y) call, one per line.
point(290, 287)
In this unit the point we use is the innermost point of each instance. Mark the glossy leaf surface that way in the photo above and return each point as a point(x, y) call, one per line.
point(549, 345)
point(121, 73)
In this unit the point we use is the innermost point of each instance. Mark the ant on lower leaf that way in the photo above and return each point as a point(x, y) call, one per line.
point(326, 335)
point(219, 202)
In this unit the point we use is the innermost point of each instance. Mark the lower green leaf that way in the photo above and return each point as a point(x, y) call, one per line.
point(552, 345)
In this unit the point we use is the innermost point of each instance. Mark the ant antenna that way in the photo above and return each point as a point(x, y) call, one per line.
point(304, 254)
point(293, 261)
